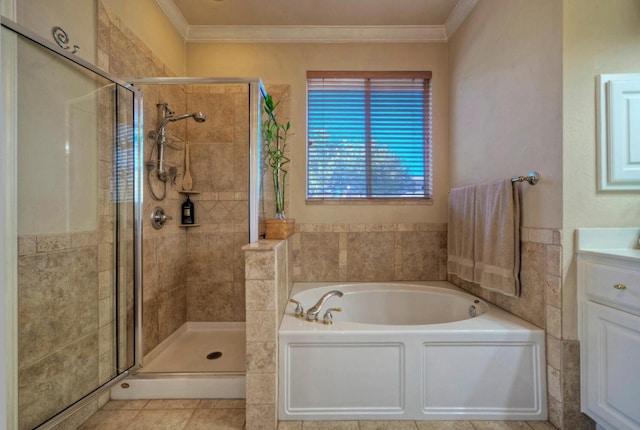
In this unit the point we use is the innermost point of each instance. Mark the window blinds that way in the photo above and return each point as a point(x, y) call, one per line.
point(369, 135)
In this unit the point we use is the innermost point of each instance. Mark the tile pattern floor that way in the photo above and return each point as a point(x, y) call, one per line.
point(213, 414)
point(228, 414)
point(415, 425)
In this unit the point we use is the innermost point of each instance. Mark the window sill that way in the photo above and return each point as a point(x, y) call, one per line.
point(373, 202)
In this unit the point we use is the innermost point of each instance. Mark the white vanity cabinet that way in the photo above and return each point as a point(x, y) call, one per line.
point(609, 334)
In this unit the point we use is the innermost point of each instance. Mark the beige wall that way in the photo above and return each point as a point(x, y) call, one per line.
point(45, 83)
point(149, 23)
point(288, 64)
point(76, 17)
point(63, 103)
point(599, 37)
point(506, 101)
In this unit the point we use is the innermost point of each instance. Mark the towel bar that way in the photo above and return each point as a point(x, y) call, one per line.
point(532, 178)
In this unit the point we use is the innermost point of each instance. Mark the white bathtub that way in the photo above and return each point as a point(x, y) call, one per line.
point(408, 351)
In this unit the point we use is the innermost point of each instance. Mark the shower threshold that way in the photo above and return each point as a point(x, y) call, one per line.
point(199, 360)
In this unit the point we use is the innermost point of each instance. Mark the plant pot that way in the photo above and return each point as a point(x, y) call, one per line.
point(279, 229)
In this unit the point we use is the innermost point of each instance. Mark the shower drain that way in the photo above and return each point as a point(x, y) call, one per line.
point(214, 355)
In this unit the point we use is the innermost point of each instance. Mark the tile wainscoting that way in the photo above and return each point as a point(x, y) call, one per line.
point(369, 252)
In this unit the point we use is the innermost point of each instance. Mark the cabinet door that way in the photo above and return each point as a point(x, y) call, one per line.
point(613, 367)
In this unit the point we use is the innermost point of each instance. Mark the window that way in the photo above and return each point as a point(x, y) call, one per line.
point(369, 135)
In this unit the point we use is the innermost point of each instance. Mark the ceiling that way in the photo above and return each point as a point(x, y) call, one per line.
point(317, 20)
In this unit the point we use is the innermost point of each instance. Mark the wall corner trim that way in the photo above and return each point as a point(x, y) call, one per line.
point(175, 16)
point(457, 16)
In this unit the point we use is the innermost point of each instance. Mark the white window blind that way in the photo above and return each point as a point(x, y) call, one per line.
point(369, 135)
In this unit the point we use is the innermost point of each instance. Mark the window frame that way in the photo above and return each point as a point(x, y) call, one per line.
point(427, 198)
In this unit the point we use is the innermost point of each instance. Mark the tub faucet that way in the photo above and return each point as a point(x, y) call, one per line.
point(312, 312)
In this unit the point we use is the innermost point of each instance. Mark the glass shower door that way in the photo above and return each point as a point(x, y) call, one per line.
point(76, 230)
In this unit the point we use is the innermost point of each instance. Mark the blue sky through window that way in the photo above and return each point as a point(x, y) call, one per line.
point(366, 144)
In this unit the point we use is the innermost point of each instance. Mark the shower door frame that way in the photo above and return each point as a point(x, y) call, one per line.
point(257, 92)
point(9, 229)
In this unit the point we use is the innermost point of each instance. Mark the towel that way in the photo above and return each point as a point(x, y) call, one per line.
point(460, 237)
point(497, 238)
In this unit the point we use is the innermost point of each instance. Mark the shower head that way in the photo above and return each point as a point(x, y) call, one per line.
point(197, 116)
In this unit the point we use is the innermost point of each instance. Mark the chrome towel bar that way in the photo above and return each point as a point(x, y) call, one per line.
point(532, 178)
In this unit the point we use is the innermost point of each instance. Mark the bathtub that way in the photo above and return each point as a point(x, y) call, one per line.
point(416, 351)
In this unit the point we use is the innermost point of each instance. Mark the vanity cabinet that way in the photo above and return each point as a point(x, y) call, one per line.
point(609, 334)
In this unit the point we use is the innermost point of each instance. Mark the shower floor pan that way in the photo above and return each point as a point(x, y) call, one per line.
point(199, 360)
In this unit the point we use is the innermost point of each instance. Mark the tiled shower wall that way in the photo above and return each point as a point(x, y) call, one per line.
point(219, 166)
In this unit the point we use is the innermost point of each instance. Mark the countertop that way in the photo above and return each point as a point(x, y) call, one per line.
point(612, 242)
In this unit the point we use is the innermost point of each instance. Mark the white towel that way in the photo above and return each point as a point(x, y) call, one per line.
point(497, 238)
point(460, 237)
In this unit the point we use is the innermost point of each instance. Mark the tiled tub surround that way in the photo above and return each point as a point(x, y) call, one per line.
point(325, 252)
point(369, 252)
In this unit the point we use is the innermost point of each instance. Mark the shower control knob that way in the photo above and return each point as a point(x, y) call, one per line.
point(159, 218)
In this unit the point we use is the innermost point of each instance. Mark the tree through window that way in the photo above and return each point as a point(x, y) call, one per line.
point(369, 135)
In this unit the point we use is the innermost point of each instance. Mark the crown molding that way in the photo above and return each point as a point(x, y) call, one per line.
point(461, 10)
point(315, 34)
point(175, 16)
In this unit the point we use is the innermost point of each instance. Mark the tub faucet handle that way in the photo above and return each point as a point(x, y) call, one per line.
point(299, 312)
point(328, 316)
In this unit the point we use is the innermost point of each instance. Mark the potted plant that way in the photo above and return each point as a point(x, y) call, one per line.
point(275, 136)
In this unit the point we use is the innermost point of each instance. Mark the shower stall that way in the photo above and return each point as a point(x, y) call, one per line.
point(201, 140)
point(103, 301)
point(76, 226)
